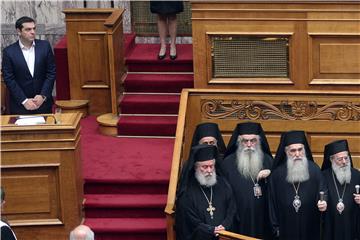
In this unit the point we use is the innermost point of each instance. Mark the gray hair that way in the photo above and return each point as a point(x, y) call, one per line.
point(82, 231)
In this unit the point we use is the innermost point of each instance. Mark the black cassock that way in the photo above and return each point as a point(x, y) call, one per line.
point(341, 226)
point(252, 213)
point(301, 225)
point(195, 221)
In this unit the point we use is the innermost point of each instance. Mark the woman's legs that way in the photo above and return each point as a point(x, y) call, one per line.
point(172, 31)
point(162, 28)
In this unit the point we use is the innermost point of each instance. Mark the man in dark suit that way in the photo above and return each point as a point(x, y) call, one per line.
point(28, 68)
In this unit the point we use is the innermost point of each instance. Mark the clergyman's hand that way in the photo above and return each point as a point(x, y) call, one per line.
point(39, 100)
point(322, 205)
point(30, 104)
point(218, 229)
point(263, 174)
point(357, 198)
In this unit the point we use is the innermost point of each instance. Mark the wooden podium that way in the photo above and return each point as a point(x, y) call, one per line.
point(42, 176)
point(95, 56)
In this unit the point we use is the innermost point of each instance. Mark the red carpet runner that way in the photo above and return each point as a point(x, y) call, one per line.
point(126, 182)
point(152, 90)
point(126, 179)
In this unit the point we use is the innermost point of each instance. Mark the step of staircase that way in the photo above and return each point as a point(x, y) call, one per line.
point(164, 83)
point(131, 186)
point(147, 125)
point(144, 58)
point(128, 228)
point(150, 104)
point(125, 205)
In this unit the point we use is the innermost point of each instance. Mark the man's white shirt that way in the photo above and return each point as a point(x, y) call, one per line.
point(29, 55)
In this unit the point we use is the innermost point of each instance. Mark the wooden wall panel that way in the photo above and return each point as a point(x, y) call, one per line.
point(334, 60)
point(37, 193)
point(92, 62)
point(323, 42)
point(339, 58)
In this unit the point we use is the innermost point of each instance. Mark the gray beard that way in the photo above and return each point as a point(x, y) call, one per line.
point(249, 161)
point(208, 180)
point(343, 174)
point(297, 171)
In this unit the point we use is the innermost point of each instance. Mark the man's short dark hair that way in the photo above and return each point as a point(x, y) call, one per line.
point(20, 21)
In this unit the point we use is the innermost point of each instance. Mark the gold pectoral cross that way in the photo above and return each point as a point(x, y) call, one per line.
point(211, 210)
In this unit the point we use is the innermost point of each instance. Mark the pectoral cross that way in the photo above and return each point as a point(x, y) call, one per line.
point(211, 210)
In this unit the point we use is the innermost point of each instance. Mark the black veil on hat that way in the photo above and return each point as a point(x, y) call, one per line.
point(208, 130)
point(198, 153)
point(333, 148)
point(247, 128)
point(288, 138)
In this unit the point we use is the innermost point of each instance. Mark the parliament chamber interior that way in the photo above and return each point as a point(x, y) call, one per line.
point(114, 160)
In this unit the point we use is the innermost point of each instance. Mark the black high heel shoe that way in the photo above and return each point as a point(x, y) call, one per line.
point(162, 56)
point(173, 56)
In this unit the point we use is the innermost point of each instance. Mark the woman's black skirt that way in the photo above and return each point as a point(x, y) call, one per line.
point(166, 7)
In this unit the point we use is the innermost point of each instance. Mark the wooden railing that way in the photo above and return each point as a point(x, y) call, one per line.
point(324, 116)
point(226, 235)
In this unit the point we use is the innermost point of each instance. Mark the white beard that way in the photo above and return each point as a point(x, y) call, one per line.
point(343, 174)
point(249, 161)
point(297, 170)
point(206, 180)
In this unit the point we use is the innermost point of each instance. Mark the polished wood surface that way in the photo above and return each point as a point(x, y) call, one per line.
point(324, 116)
point(324, 41)
point(226, 235)
point(108, 124)
point(95, 56)
point(68, 106)
point(42, 176)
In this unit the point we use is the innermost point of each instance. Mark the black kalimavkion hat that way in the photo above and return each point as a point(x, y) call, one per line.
point(208, 130)
point(247, 128)
point(288, 138)
point(333, 148)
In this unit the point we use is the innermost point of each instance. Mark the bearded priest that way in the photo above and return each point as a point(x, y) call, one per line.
point(205, 203)
point(343, 182)
point(296, 190)
point(246, 167)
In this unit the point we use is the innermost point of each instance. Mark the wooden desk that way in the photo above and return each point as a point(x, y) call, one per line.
point(42, 176)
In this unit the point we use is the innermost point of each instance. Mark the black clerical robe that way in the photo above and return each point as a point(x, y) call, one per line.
point(341, 226)
point(196, 222)
point(301, 225)
point(252, 212)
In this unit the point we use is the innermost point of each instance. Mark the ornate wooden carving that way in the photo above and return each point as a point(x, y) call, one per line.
point(285, 110)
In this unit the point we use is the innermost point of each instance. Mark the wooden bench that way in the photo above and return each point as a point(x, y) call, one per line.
point(324, 116)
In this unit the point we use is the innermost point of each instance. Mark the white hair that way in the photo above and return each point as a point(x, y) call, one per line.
point(342, 173)
point(206, 180)
point(297, 169)
point(82, 232)
point(249, 160)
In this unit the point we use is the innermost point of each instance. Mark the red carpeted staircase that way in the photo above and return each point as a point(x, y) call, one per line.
point(126, 178)
point(126, 181)
point(151, 99)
